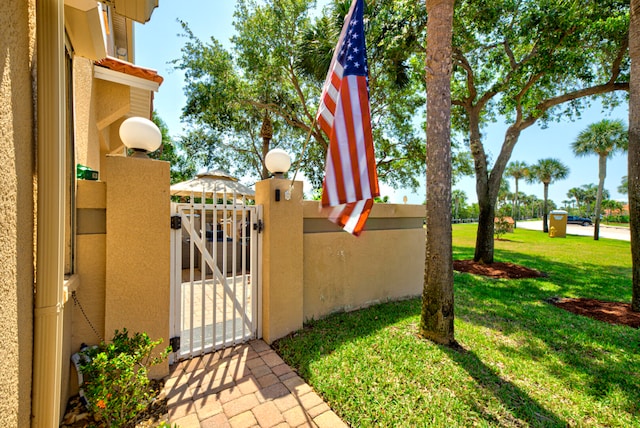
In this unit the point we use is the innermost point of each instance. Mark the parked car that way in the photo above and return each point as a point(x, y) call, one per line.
point(573, 219)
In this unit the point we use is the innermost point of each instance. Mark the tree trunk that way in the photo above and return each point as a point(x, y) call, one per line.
point(484, 238)
point(516, 208)
point(602, 174)
point(436, 322)
point(488, 185)
point(545, 211)
point(265, 150)
point(634, 150)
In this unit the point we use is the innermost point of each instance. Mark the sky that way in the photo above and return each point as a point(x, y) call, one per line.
point(158, 42)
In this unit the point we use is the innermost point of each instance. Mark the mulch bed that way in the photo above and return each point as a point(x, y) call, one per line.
point(496, 270)
point(610, 312)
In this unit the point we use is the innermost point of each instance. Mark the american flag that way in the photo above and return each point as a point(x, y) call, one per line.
point(351, 180)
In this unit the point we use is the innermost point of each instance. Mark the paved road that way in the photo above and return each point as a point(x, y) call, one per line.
point(610, 232)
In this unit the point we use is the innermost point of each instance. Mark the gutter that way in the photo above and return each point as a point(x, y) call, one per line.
point(50, 147)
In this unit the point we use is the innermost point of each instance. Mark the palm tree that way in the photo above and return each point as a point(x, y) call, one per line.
point(578, 194)
point(602, 138)
point(517, 170)
point(459, 198)
point(547, 171)
point(590, 196)
point(610, 206)
point(624, 185)
point(437, 314)
point(504, 192)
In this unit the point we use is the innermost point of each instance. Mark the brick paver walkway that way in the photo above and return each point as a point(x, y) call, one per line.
point(245, 386)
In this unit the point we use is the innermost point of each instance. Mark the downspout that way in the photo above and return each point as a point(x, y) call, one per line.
point(50, 118)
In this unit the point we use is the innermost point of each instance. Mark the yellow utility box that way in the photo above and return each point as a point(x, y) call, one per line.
point(558, 224)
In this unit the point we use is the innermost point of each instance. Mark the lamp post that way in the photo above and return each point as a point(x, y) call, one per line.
point(140, 135)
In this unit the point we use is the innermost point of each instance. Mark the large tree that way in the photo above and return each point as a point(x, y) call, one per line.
point(529, 61)
point(229, 94)
point(517, 170)
point(436, 321)
point(547, 171)
point(634, 151)
point(278, 63)
point(603, 138)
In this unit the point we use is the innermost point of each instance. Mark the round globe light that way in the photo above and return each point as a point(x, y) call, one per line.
point(140, 134)
point(277, 162)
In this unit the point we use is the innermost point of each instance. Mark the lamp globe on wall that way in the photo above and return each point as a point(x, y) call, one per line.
point(277, 162)
point(140, 135)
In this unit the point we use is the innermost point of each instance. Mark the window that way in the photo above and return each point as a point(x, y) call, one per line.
point(70, 170)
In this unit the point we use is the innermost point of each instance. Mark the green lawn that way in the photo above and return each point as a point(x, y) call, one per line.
point(523, 363)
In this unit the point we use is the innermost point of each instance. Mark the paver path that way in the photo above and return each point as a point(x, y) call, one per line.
point(245, 386)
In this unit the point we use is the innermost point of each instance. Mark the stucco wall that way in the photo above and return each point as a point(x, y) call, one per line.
point(282, 255)
point(342, 272)
point(17, 40)
point(91, 203)
point(137, 293)
point(87, 148)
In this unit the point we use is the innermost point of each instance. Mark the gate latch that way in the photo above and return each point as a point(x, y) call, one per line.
point(176, 222)
point(258, 226)
point(174, 342)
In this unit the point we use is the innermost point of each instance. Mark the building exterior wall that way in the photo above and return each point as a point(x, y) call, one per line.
point(91, 203)
point(282, 256)
point(87, 147)
point(27, 399)
point(311, 268)
point(17, 43)
point(342, 272)
point(137, 293)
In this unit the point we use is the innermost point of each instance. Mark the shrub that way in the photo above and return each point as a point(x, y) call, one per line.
point(116, 383)
point(502, 226)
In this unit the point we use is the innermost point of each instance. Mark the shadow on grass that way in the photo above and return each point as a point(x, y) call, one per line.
point(603, 355)
point(587, 357)
point(579, 279)
point(517, 401)
point(324, 337)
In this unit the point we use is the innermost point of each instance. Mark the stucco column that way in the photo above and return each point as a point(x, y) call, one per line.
point(282, 258)
point(137, 292)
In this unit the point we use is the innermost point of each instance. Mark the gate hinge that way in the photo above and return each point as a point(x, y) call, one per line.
point(258, 226)
point(174, 342)
point(176, 222)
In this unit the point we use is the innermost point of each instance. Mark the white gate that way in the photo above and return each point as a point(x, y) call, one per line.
point(215, 275)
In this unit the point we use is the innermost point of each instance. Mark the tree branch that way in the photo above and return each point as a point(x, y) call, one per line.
point(545, 105)
point(471, 87)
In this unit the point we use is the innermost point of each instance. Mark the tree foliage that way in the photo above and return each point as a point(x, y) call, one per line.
point(603, 139)
point(182, 168)
point(516, 170)
point(547, 171)
point(529, 61)
point(278, 63)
